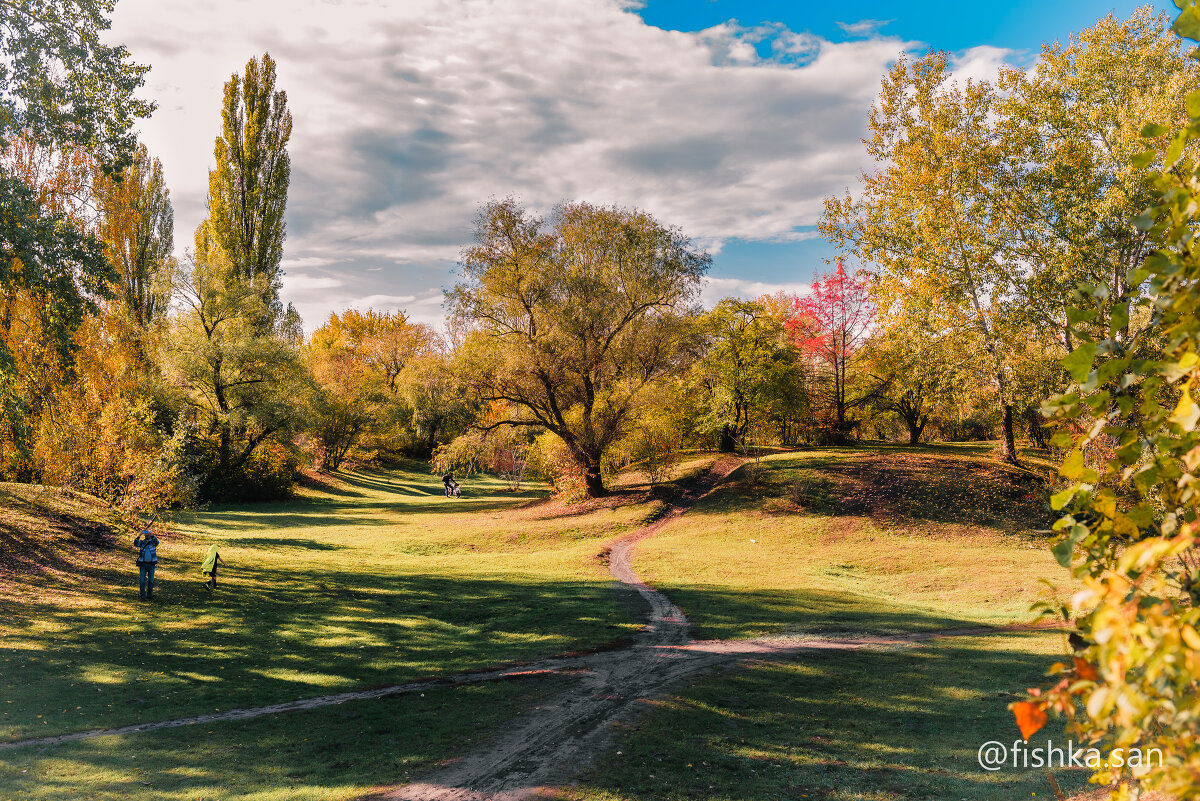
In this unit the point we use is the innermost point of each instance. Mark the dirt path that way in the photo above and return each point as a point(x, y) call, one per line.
point(549, 742)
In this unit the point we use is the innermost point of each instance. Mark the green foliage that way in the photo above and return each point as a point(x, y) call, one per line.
point(1131, 523)
point(572, 318)
point(748, 373)
point(61, 85)
point(239, 385)
point(247, 191)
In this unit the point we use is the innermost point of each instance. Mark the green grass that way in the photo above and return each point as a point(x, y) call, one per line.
point(372, 579)
point(904, 539)
point(848, 540)
point(838, 726)
point(326, 754)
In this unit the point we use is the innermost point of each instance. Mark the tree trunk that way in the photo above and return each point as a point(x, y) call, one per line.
point(914, 432)
point(593, 481)
point(728, 442)
point(1008, 446)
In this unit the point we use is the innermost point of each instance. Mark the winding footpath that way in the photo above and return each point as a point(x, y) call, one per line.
point(548, 744)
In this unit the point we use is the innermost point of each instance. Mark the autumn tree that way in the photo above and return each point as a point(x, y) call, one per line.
point(239, 386)
point(919, 369)
point(829, 325)
point(573, 317)
point(372, 381)
point(137, 227)
point(925, 218)
point(64, 92)
point(1070, 129)
point(747, 366)
point(247, 191)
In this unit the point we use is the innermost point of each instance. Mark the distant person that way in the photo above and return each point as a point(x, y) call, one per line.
point(209, 568)
point(147, 547)
point(451, 485)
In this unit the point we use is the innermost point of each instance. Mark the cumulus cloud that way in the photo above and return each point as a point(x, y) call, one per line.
point(409, 115)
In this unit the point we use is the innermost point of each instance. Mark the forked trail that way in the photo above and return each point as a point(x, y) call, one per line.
point(547, 744)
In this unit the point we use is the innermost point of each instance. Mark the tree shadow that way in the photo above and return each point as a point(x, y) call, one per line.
point(900, 484)
point(844, 725)
point(287, 542)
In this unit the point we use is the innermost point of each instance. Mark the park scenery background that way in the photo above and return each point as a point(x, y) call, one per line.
point(820, 543)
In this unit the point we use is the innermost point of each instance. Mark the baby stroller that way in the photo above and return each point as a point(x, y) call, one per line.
point(452, 490)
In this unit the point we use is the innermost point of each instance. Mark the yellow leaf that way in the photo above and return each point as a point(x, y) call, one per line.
point(1191, 638)
point(1187, 412)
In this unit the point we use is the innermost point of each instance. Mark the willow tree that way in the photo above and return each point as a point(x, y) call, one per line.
point(572, 318)
point(247, 191)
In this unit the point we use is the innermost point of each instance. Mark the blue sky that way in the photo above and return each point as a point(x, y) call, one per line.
point(953, 26)
point(731, 120)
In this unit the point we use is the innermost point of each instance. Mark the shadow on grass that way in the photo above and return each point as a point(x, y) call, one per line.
point(903, 724)
point(270, 635)
point(286, 542)
point(938, 484)
point(331, 753)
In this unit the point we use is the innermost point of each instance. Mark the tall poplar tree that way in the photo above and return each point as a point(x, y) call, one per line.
point(247, 192)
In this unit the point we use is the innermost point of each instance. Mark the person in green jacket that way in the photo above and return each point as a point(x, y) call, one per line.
point(209, 567)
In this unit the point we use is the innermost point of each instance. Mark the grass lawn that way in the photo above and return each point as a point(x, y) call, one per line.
point(866, 540)
point(327, 754)
point(371, 579)
point(839, 726)
point(871, 540)
point(375, 578)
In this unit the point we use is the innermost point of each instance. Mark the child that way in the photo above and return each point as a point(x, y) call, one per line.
point(209, 567)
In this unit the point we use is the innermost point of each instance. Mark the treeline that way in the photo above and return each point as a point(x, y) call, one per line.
point(575, 345)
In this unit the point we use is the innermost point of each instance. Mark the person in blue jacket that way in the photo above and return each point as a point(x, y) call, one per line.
point(147, 547)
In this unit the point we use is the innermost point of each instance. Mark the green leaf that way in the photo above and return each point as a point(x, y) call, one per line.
point(1153, 129)
point(1077, 315)
point(1120, 318)
point(1144, 221)
point(1060, 500)
point(1062, 551)
point(1072, 468)
point(1143, 160)
point(1187, 24)
point(1192, 103)
point(1079, 361)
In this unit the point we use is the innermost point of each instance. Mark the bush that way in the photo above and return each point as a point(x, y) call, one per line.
point(550, 459)
point(970, 429)
point(269, 474)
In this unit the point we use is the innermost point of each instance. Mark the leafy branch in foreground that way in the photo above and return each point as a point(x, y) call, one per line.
point(1131, 528)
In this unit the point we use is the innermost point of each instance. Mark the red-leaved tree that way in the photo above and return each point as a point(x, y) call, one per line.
point(827, 326)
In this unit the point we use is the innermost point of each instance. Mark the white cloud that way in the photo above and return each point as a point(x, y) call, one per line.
point(409, 115)
point(864, 27)
point(982, 63)
point(715, 289)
